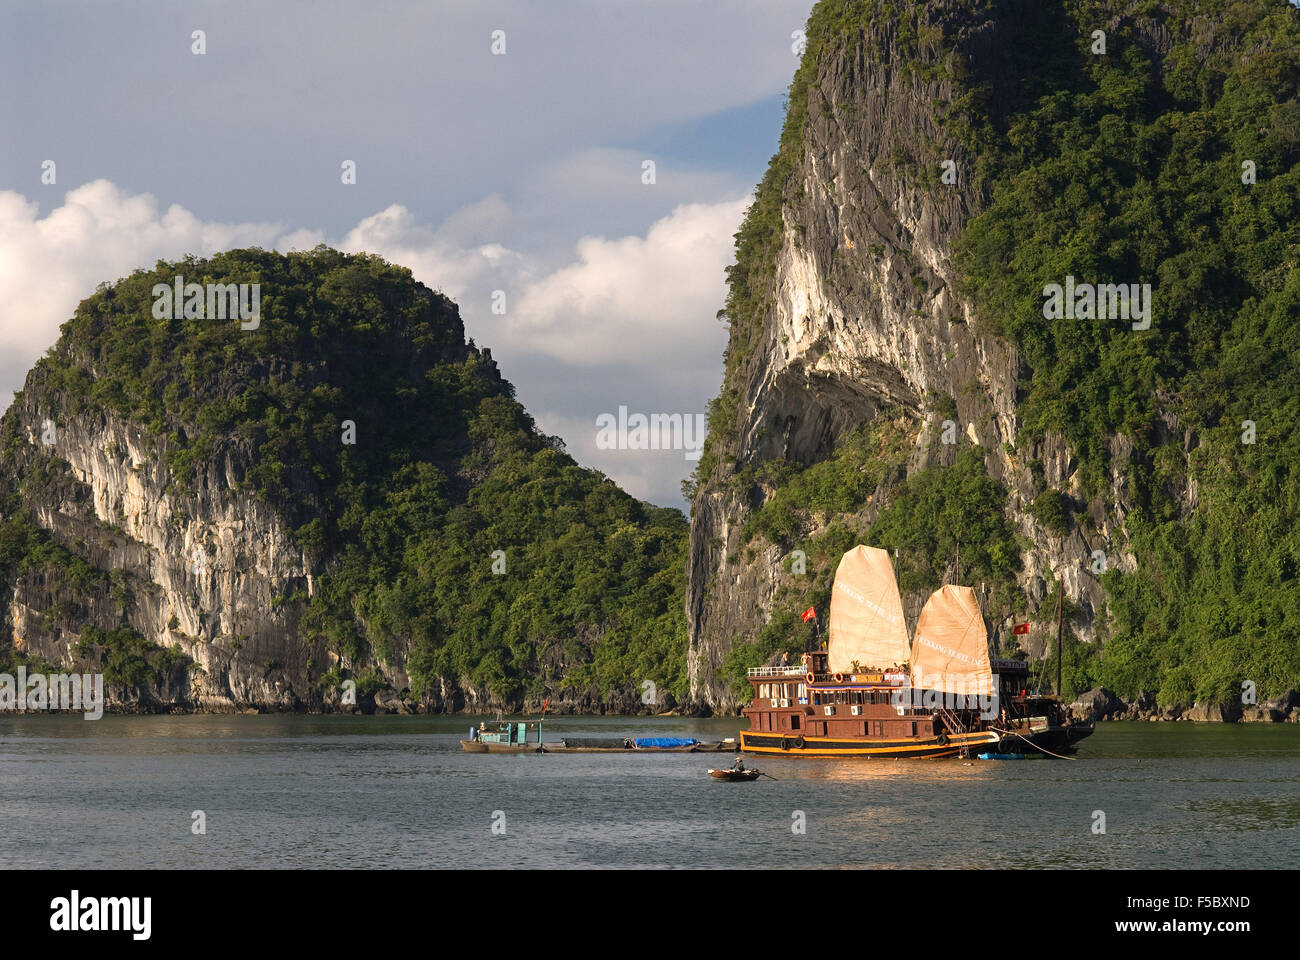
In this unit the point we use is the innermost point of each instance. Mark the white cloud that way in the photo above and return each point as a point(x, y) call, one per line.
point(432, 253)
point(650, 299)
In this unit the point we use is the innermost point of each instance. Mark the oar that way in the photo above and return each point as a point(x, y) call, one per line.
point(768, 775)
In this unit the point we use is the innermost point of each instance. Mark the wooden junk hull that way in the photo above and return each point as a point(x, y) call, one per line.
point(883, 748)
point(1053, 740)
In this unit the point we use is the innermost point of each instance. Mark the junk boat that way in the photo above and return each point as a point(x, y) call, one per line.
point(526, 737)
point(871, 694)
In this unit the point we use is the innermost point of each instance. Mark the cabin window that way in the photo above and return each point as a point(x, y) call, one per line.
point(794, 721)
point(913, 728)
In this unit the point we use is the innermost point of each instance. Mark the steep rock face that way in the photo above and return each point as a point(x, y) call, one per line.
point(864, 315)
point(208, 566)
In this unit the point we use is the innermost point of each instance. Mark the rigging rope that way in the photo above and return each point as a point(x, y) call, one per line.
point(1032, 744)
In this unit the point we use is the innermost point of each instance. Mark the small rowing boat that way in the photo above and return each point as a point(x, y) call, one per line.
point(734, 774)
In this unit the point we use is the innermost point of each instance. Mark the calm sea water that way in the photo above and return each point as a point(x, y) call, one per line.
point(327, 792)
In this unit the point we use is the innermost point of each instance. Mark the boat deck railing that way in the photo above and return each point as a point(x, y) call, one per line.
point(787, 671)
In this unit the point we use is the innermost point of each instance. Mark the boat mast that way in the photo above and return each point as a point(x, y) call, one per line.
point(1060, 656)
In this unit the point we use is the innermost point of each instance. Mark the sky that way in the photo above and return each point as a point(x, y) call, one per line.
point(498, 146)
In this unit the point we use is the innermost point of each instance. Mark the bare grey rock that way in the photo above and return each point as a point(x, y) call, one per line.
point(1213, 713)
point(1259, 714)
point(1098, 703)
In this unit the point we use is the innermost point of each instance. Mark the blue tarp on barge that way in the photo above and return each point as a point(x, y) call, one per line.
point(661, 742)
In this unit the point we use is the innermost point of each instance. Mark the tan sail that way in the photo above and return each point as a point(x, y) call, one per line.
point(951, 650)
point(867, 622)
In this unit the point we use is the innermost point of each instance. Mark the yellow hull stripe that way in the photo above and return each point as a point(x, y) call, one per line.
point(811, 745)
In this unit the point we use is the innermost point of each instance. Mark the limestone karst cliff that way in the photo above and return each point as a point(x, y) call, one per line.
point(222, 515)
point(890, 377)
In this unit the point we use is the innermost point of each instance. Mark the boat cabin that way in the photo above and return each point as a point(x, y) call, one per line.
point(804, 700)
point(807, 701)
point(508, 733)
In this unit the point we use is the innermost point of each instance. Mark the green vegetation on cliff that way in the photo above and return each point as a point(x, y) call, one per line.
point(1128, 168)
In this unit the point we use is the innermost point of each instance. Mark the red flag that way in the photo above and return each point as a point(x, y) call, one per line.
point(809, 614)
point(1022, 628)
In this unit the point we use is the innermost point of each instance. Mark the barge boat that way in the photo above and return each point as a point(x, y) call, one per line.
point(526, 737)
